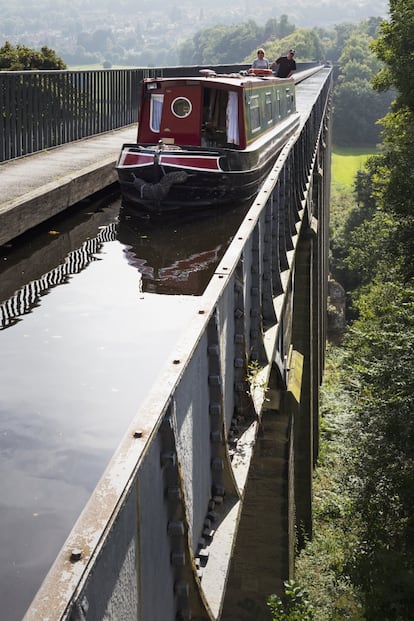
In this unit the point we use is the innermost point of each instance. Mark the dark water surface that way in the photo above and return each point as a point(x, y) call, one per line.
point(91, 307)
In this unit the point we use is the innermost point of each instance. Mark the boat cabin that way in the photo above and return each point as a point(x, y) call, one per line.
point(231, 111)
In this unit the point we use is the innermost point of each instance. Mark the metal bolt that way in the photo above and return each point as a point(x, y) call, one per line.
point(168, 459)
point(216, 436)
point(213, 350)
point(76, 555)
point(218, 490)
point(214, 380)
point(174, 493)
point(176, 528)
point(215, 409)
point(178, 559)
point(217, 464)
point(182, 588)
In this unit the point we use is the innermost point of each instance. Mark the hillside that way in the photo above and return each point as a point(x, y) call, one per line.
point(125, 32)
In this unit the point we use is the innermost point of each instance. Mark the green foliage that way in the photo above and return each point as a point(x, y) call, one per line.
point(294, 607)
point(238, 43)
point(364, 517)
point(393, 182)
point(221, 44)
point(277, 29)
point(357, 107)
point(361, 239)
point(352, 206)
point(22, 58)
point(393, 175)
point(254, 371)
point(322, 566)
point(364, 246)
point(381, 359)
point(376, 245)
point(306, 41)
point(395, 48)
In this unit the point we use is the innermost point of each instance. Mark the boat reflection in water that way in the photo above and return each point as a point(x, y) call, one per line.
point(178, 254)
point(174, 255)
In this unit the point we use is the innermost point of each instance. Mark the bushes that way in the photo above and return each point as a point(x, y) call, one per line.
point(295, 607)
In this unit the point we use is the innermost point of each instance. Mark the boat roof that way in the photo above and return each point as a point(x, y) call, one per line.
point(225, 79)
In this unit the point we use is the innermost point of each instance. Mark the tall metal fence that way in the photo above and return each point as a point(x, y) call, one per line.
point(44, 109)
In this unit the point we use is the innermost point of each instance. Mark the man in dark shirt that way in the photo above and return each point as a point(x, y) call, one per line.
point(286, 65)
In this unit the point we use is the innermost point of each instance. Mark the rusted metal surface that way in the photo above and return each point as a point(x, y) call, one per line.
point(156, 538)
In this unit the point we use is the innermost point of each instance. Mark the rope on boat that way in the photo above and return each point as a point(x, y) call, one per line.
point(157, 191)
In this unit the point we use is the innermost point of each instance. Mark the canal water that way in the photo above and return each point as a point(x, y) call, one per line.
point(91, 306)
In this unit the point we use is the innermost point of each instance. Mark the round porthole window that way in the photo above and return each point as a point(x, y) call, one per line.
point(181, 107)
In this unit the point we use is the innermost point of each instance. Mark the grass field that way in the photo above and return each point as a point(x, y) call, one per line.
point(346, 162)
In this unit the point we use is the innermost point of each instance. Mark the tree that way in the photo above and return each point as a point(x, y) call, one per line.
point(22, 58)
point(221, 44)
point(394, 180)
point(277, 29)
point(395, 48)
point(381, 346)
point(357, 107)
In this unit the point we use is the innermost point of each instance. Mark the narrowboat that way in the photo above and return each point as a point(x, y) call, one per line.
point(206, 140)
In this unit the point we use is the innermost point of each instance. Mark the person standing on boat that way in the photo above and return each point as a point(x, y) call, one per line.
point(260, 62)
point(286, 65)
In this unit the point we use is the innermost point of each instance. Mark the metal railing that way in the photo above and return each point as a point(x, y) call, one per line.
point(44, 109)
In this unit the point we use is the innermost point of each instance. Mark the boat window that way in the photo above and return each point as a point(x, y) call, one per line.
point(288, 101)
point(268, 107)
point(278, 104)
point(181, 107)
point(218, 117)
point(232, 116)
point(156, 112)
point(254, 113)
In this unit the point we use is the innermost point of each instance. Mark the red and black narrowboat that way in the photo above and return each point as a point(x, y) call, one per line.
point(206, 140)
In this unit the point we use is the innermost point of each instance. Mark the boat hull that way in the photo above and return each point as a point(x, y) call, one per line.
point(165, 177)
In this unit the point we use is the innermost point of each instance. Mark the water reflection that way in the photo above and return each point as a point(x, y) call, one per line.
point(178, 254)
point(46, 257)
point(26, 298)
point(174, 255)
point(88, 329)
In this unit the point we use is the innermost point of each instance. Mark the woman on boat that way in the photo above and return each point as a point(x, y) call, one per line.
point(260, 62)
